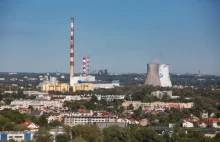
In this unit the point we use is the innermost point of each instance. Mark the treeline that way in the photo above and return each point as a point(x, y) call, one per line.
point(114, 133)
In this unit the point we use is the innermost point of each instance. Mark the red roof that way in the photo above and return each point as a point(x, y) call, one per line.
point(26, 124)
point(214, 119)
point(83, 111)
point(105, 113)
point(203, 121)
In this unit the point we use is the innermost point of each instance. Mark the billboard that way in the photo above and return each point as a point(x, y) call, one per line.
point(164, 75)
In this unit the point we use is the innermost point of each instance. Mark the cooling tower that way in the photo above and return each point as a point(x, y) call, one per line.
point(158, 75)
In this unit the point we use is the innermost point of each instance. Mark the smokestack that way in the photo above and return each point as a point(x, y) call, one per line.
point(84, 66)
point(72, 48)
point(158, 75)
point(88, 65)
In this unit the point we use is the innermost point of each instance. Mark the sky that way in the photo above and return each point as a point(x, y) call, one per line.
point(119, 35)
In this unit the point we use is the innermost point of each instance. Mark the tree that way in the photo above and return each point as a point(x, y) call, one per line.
point(62, 138)
point(115, 133)
point(79, 139)
point(42, 135)
point(145, 134)
point(89, 132)
point(43, 120)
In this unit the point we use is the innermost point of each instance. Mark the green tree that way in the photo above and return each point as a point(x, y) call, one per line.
point(145, 134)
point(115, 133)
point(89, 132)
point(62, 138)
point(43, 120)
point(42, 135)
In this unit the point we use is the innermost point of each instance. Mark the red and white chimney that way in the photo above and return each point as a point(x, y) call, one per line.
point(72, 48)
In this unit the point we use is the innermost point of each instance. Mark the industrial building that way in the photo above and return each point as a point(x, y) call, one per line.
point(16, 135)
point(158, 75)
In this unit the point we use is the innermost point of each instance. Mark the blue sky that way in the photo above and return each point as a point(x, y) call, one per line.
point(120, 35)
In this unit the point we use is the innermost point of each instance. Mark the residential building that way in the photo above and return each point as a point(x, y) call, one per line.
point(30, 125)
point(62, 87)
point(203, 123)
point(187, 124)
point(103, 125)
point(76, 120)
point(82, 87)
point(110, 97)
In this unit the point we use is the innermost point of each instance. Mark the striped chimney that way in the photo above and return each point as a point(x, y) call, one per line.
point(72, 48)
point(84, 66)
point(88, 65)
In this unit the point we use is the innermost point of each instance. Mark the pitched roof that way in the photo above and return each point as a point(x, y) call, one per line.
point(203, 121)
point(26, 124)
point(36, 112)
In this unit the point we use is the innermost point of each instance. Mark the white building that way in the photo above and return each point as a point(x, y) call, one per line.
point(77, 79)
point(27, 103)
point(35, 93)
point(159, 94)
point(81, 120)
point(110, 97)
point(188, 124)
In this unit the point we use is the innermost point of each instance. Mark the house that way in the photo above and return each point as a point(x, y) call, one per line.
point(30, 125)
point(203, 123)
point(216, 124)
point(187, 124)
point(37, 113)
point(144, 122)
point(24, 110)
point(204, 115)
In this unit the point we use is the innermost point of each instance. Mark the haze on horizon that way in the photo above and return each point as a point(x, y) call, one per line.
point(121, 36)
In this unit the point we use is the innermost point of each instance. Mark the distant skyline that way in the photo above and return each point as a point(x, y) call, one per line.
point(121, 36)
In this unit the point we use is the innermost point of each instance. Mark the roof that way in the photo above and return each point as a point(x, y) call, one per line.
point(26, 124)
point(203, 121)
point(35, 112)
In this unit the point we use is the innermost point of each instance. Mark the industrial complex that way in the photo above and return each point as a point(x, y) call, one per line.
point(82, 82)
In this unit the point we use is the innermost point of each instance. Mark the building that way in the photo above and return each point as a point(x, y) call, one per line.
point(34, 93)
point(159, 94)
point(106, 85)
point(27, 103)
point(81, 120)
point(81, 79)
point(30, 125)
point(16, 135)
point(110, 97)
point(156, 105)
point(63, 87)
point(187, 125)
point(158, 75)
point(103, 125)
point(82, 87)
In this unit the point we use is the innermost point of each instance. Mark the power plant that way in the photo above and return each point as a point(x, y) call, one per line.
point(158, 75)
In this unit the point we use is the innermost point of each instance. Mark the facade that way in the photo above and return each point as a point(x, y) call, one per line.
point(155, 105)
point(82, 87)
point(103, 125)
point(110, 97)
point(63, 87)
point(188, 124)
point(34, 93)
point(158, 75)
point(79, 79)
point(81, 120)
point(16, 135)
point(27, 103)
